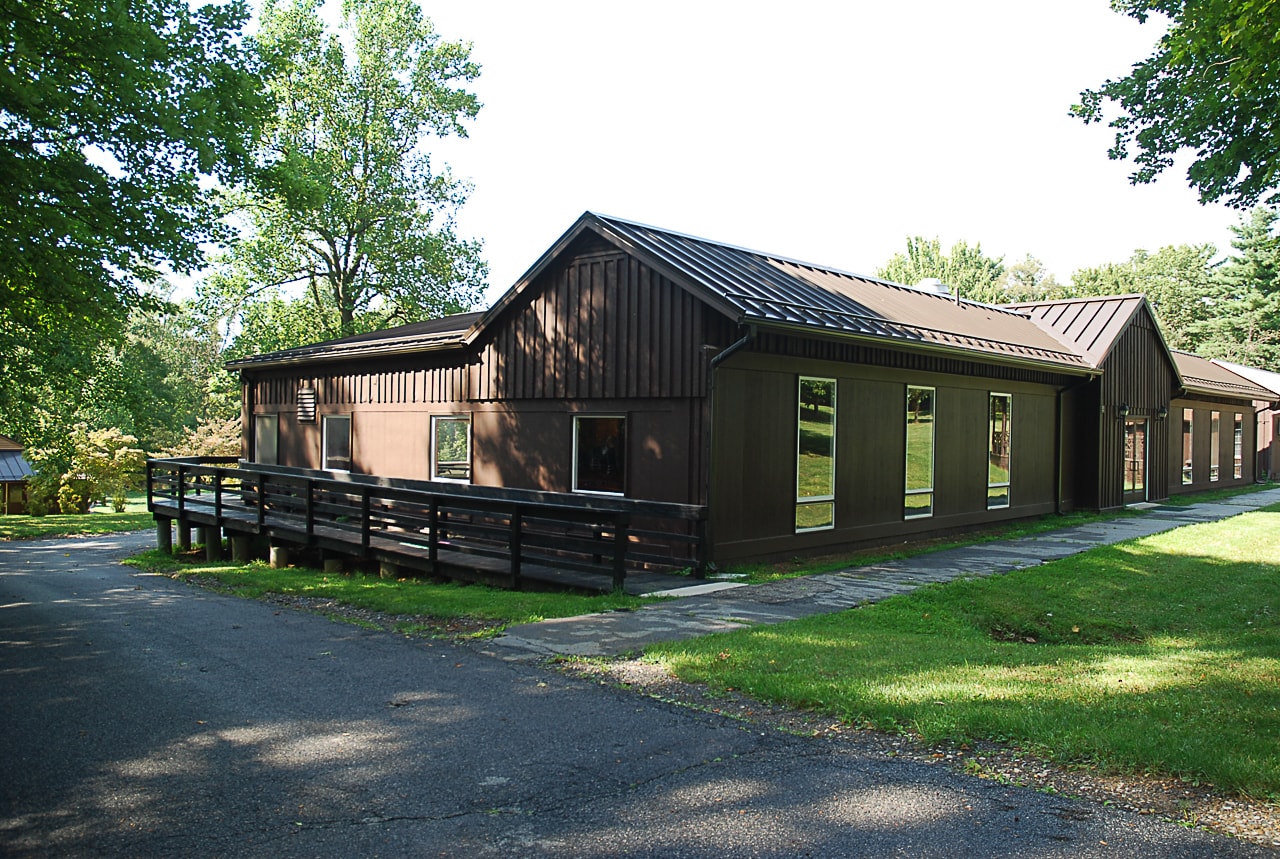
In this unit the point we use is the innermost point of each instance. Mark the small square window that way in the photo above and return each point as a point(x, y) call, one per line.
point(451, 448)
point(600, 454)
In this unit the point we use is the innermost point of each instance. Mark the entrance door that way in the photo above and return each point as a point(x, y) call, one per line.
point(1135, 460)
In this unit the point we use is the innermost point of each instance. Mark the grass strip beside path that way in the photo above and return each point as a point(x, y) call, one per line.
point(101, 520)
point(417, 605)
point(1160, 655)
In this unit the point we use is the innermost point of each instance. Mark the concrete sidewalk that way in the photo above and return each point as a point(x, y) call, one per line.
point(700, 613)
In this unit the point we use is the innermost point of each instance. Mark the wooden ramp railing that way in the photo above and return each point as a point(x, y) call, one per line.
point(467, 531)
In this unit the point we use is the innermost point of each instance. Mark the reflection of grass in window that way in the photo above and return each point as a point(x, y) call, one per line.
point(814, 464)
point(920, 455)
point(997, 474)
point(814, 515)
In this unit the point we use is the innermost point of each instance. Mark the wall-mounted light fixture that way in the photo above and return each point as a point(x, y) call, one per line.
point(1123, 410)
point(1162, 413)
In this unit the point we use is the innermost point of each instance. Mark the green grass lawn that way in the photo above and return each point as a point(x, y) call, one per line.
point(417, 600)
point(1160, 655)
point(101, 520)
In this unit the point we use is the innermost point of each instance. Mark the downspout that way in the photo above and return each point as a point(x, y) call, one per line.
point(709, 431)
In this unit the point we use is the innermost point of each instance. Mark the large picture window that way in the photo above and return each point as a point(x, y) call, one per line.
point(999, 450)
point(1215, 443)
point(337, 442)
point(1188, 446)
point(816, 454)
point(600, 454)
point(919, 483)
point(1237, 446)
point(451, 448)
point(266, 439)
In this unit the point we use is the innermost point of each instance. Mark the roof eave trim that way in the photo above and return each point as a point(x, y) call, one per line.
point(954, 351)
point(336, 356)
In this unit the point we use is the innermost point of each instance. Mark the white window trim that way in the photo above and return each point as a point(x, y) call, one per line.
point(435, 419)
point(576, 419)
point(933, 452)
point(804, 500)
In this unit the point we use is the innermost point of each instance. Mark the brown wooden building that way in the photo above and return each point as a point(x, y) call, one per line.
point(806, 408)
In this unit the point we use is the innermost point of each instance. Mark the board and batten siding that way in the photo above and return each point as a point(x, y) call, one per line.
point(601, 326)
point(1136, 373)
point(753, 493)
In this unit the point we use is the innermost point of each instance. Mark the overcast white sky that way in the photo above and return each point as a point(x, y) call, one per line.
point(822, 131)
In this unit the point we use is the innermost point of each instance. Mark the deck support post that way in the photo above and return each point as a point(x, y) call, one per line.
point(332, 564)
point(620, 540)
point(164, 535)
point(279, 556)
point(388, 570)
point(241, 548)
point(184, 534)
point(212, 543)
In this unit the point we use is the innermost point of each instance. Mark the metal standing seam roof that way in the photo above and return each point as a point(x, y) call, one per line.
point(1201, 375)
point(772, 290)
point(13, 467)
point(1090, 326)
point(415, 337)
point(1262, 378)
point(749, 287)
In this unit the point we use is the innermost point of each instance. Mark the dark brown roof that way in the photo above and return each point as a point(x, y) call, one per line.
point(1089, 326)
point(1202, 376)
point(1262, 378)
point(751, 287)
point(433, 334)
point(7, 443)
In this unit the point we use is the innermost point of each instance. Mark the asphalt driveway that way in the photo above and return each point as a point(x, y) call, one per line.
point(143, 717)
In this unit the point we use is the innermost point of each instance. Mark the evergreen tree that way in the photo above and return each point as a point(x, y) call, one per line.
point(1245, 297)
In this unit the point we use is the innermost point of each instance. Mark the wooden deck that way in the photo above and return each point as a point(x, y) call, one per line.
point(508, 538)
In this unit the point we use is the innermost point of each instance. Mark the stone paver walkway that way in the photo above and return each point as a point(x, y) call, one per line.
point(615, 633)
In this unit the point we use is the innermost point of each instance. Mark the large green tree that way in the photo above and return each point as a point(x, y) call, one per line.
point(113, 115)
point(965, 269)
point(350, 207)
point(1212, 86)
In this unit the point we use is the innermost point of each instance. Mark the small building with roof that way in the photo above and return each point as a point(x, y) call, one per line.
point(806, 408)
point(15, 473)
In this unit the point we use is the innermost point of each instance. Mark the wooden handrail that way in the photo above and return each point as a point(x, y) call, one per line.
point(538, 526)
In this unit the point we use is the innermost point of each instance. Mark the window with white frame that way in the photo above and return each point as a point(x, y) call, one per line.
point(337, 442)
point(918, 498)
point(999, 449)
point(451, 448)
point(816, 454)
point(600, 454)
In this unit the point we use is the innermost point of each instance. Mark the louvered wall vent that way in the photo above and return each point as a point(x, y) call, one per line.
point(306, 405)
